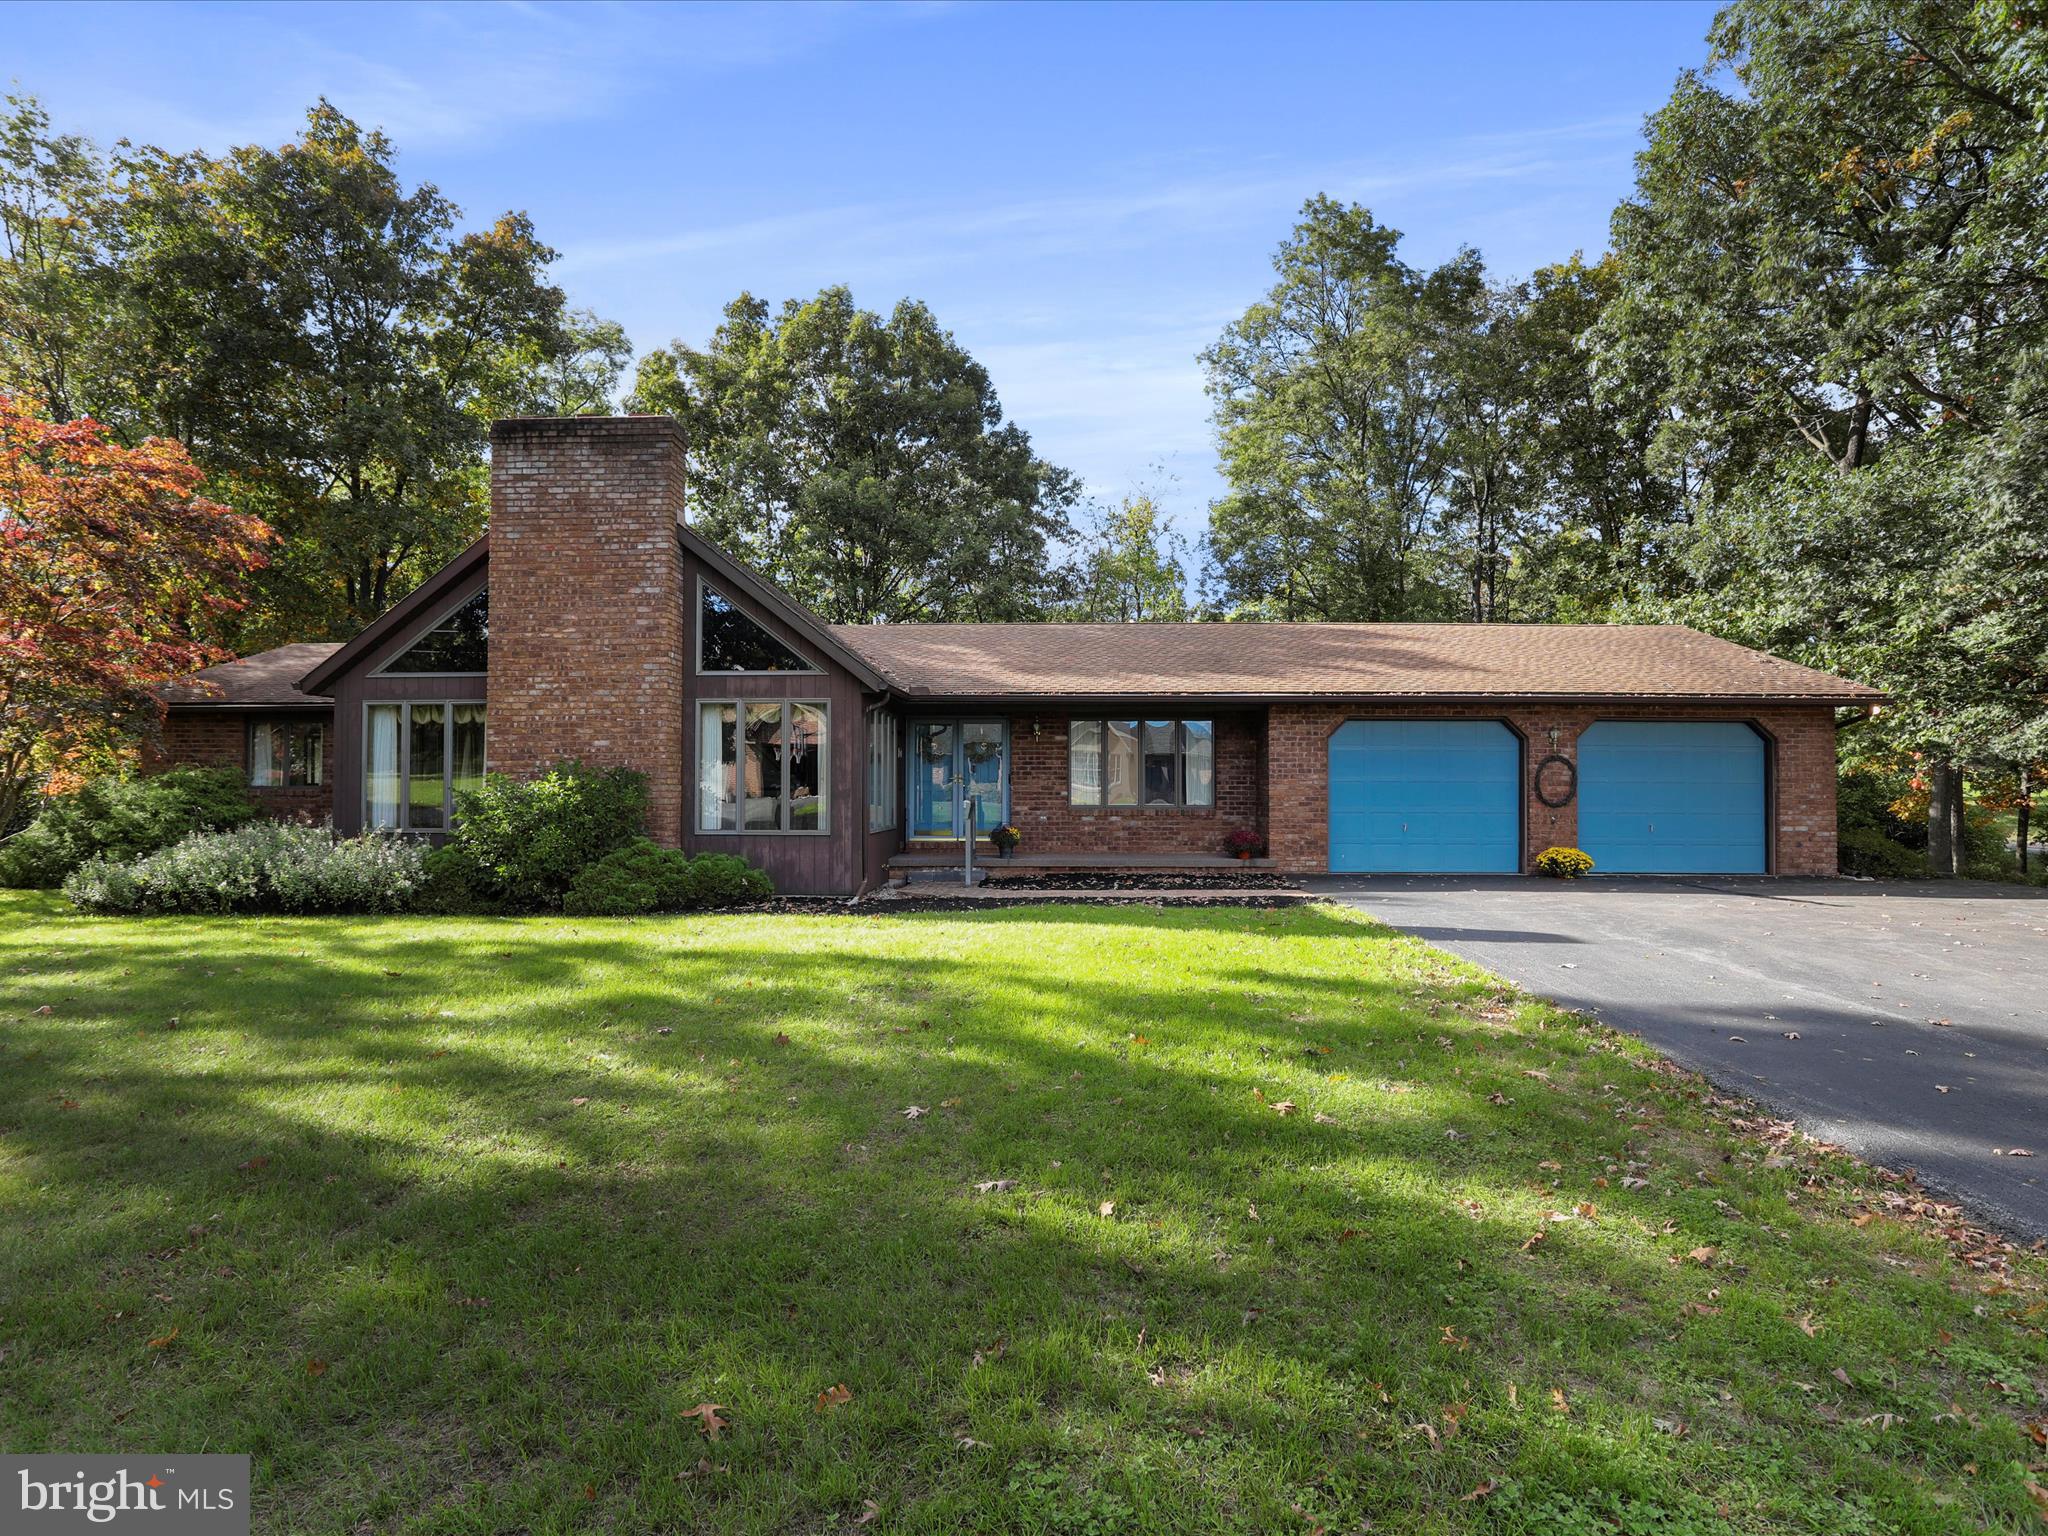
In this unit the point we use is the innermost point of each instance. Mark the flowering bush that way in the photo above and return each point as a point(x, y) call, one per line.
point(264, 867)
point(1563, 863)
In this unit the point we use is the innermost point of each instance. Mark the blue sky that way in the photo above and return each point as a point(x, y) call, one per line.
point(1084, 194)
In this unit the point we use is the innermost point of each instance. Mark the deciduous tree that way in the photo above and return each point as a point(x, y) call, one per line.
point(115, 575)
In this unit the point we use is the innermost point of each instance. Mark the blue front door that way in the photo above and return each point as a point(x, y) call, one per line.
point(1425, 796)
point(1672, 798)
point(950, 761)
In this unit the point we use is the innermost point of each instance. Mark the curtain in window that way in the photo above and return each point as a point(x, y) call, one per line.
point(1200, 760)
point(309, 744)
point(717, 760)
point(1084, 762)
point(466, 771)
point(1123, 761)
point(380, 756)
point(265, 761)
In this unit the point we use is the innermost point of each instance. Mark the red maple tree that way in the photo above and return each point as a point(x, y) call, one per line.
point(115, 574)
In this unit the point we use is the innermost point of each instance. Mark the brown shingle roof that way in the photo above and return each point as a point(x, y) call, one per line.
point(267, 680)
point(1619, 661)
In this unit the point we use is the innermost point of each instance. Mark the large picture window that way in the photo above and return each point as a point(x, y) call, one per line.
point(881, 770)
point(1150, 764)
point(761, 767)
point(459, 644)
point(416, 757)
point(731, 641)
point(287, 754)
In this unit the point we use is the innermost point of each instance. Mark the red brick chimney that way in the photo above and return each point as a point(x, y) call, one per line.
point(588, 625)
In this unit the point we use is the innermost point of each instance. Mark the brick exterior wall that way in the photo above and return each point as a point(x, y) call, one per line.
point(1800, 754)
point(1039, 806)
point(588, 631)
point(220, 738)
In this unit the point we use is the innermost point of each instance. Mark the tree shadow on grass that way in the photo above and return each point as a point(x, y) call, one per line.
point(496, 1275)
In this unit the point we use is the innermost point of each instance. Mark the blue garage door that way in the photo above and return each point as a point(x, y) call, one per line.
point(1679, 799)
point(1430, 796)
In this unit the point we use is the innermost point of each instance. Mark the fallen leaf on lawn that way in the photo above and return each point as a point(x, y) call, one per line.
point(1631, 1181)
point(1425, 1428)
point(1323, 1119)
point(1252, 1212)
point(1454, 1339)
point(995, 1351)
point(869, 1509)
point(666, 1029)
point(1881, 1420)
point(579, 1102)
point(1586, 1210)
point(1107, 1208)
point(1494, 1098)
point(968, 1442)
point(1842, 1376)
point(1478, 1493)
point(45, 1009)
point(1557, 1401)
point(781, 1038)
point(708, 1421)
point(254, 1165)
point(994, 1186)
point(1676, 1428)
point(1348, 1234)
point(166, 1341)
point(949, 1103)
point(914, 1112)
point(1535, 1240)
point(1862, 1218)
point(1702, 1255)
point(316, 1367)
point(1550, 1167)
point(833, 1396)
point(1698, 1309)
point(1514, 1397)
point(1806, 1325)
point(1284, 1107)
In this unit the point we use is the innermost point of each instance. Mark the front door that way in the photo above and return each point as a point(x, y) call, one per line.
point(949, 761)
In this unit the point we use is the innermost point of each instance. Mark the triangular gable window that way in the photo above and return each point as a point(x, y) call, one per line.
point(730, 641)
point(459, 643)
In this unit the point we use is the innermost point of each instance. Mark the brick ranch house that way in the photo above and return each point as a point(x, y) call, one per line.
point(594, 623)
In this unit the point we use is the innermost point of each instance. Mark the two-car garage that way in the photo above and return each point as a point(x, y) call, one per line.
point(1446, 796)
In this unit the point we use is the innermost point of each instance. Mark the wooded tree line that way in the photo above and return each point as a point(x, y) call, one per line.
point(1799, 402)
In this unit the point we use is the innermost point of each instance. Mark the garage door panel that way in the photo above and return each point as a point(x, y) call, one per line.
point(1672, 797)
point(1422, 796)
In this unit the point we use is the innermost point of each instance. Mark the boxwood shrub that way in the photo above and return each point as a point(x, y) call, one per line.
point(644, 877)
point(518, 845)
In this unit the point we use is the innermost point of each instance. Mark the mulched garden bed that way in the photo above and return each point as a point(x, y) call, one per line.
point(1163, 880)
point(893, 906)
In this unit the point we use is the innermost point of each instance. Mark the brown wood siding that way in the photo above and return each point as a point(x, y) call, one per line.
point(360, 686)
point(830, 863)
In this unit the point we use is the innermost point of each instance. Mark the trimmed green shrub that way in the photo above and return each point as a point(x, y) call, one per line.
point(726, 880)
point(123, 819)
point(519, 845)
point(1563, 863)
point(263, 867)
point(1867, 851)
point(643, 877)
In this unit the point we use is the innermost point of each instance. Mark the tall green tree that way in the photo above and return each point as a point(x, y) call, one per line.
point(1329, 400)
point(329, 343)
point(1833, 261)
point(1133, 567)
point(864, 463)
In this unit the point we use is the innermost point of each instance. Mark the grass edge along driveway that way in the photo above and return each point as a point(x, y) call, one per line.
point(1051, 1220)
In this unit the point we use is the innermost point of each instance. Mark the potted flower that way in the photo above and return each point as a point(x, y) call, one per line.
point(1006, 839)
point(1243, 842)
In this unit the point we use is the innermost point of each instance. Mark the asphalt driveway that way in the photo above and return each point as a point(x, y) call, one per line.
point(1920, 1010)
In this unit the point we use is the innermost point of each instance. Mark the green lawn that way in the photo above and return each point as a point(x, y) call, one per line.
point(451, 1223)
